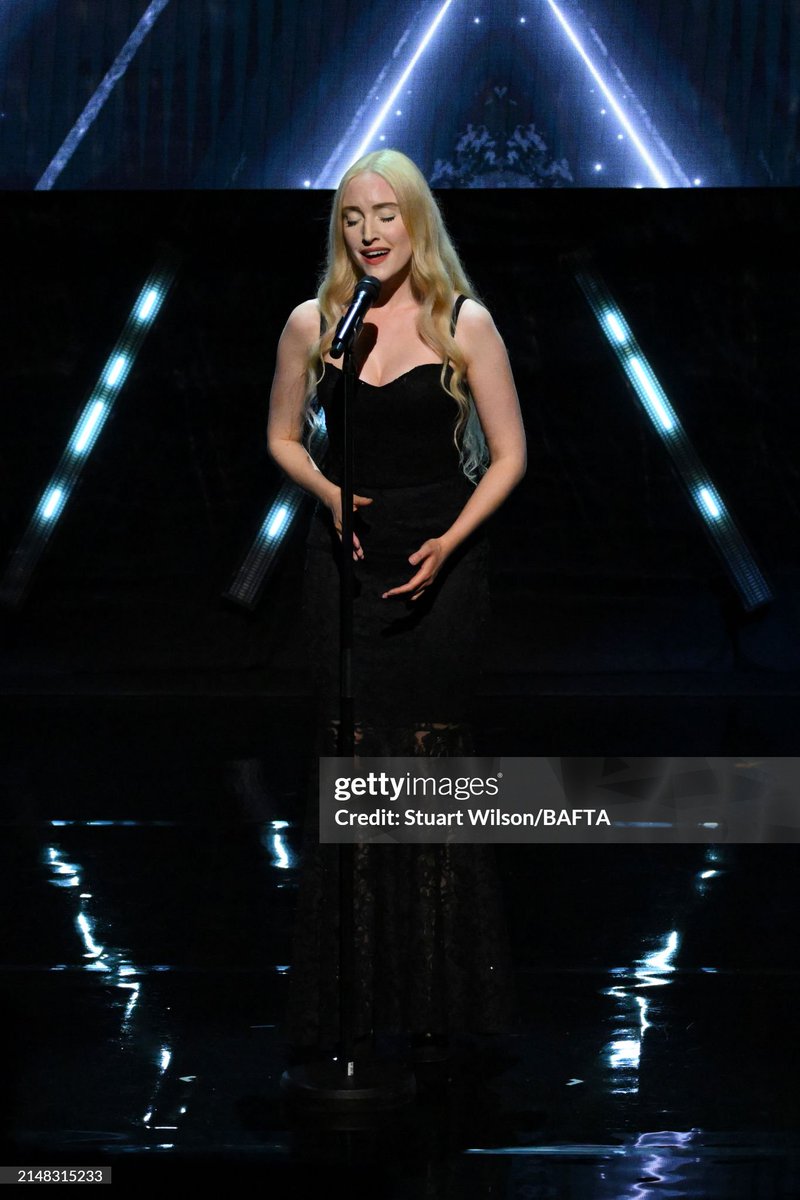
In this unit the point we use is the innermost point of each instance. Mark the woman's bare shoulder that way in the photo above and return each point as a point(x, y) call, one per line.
point(474, 316)
point(304, 318)
point(476, 331)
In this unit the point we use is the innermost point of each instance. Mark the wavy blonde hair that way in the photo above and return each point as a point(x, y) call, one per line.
point(436, 274)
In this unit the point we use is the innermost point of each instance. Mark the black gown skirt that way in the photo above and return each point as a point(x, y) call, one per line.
point(431, 952)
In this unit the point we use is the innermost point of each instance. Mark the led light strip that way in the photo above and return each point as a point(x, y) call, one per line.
point(92, 109)
point(619, 112)
point(745, 573)
point(325, 178)
point(85, 434)
point(260, 558)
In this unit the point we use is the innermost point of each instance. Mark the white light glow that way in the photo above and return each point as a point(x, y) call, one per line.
point(625, 1053)
point(420, 50)
point(166, 1058)
point(88, 426)
point(92, 948)
point(665, 420)
point(712, 508)
point(610, 97)
point(115, 370)
point(661, 960)
point(281, 857)
point(278, 522)
point(615, 325)
point(52, 502)
point(147, 306)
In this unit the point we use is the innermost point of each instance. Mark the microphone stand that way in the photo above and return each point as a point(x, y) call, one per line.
point(342, 1084)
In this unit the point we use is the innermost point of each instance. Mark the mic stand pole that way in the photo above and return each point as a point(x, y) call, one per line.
point(344, 1085)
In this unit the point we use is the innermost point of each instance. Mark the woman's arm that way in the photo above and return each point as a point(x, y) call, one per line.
point(492, 386)
point(286, 415)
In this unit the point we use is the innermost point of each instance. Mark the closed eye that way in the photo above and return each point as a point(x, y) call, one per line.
point(349, 222)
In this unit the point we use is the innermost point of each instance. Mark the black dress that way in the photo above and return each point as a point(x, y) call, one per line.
point(430, 953)
point(415, 663)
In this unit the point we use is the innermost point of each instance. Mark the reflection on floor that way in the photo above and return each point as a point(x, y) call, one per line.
point(150, 863)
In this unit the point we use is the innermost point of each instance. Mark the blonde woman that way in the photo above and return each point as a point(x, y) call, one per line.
point(439, 445)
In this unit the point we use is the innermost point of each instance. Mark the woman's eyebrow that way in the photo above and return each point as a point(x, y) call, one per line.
point(383, 204)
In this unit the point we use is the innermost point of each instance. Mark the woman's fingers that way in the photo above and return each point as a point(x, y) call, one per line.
point(358, 501)
point(417, 584)
point(358, 552)
point(428, 559)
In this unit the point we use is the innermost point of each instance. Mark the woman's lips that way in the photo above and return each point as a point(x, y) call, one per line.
point(374, 258)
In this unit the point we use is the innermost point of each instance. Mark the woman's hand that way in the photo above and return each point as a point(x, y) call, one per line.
point(429, 558)
point(334, 503)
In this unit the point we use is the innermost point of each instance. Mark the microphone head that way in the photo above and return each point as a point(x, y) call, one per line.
point(370, 285)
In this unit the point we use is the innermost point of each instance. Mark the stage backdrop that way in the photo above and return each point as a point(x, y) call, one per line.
point(600, 561)
point(273, 93)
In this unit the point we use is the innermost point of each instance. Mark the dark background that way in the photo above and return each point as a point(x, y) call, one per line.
point(601, 565)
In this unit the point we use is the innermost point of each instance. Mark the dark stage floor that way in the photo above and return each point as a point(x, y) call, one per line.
point(150, 865)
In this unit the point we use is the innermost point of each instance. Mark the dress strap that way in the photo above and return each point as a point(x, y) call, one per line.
point(454, 318)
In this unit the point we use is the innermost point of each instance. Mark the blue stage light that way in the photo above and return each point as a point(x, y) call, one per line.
point(651, 394)
point(51, 502)
point(712, 507)
point(149, 305)
point(615, 325)
point(706, 500)
point(87, 427)
point(93, 108)
point(329, 176)
point(115, 370)
point(85, 434)
point(647, 158)
point(260, 558)
point(278, 522)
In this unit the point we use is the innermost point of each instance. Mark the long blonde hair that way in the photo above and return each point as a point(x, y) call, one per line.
point(436, 274)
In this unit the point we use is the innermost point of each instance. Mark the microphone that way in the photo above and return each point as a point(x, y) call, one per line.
point(367, 291)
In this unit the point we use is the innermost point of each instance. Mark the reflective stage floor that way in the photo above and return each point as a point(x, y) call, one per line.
point(150, 857)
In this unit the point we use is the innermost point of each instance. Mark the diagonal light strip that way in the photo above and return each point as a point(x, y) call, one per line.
point(323, 178)
point(92, 110)
point(87, 430)
point(260, 558)
point(746, 575)
point(619, 112)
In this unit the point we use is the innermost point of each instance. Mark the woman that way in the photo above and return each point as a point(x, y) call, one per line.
point(439, 445)
point(435, 401)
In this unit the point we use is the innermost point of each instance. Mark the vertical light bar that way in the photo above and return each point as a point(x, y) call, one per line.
point(658, 176)
point(273, 531)
point(87, 429)
point(706, 500)
point(92, 109)
point(325, 177)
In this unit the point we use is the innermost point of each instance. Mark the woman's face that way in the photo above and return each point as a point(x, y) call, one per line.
point(374, 233)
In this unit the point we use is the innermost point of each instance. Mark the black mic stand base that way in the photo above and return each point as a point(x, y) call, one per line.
point(326, 1086)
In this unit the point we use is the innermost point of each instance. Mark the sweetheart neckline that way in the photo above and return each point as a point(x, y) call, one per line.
point(379, 386)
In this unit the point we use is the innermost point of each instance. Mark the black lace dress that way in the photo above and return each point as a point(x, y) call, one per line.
point(430, 953)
